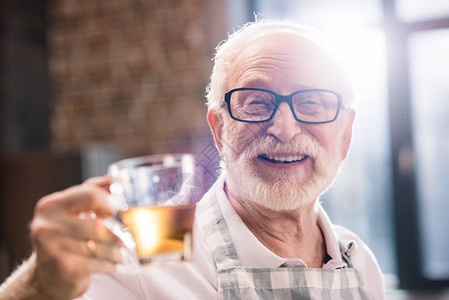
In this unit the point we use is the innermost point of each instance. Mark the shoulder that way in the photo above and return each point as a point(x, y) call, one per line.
point(363, 260)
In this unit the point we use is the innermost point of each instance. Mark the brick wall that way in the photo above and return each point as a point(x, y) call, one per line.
point(131, 73)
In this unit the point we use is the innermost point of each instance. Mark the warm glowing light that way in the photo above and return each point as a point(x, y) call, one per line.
point(361, 54)
point(148, 230)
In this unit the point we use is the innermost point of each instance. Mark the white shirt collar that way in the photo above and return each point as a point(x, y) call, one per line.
point(253, 254)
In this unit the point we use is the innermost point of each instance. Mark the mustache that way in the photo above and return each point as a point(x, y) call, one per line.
point(301, 144)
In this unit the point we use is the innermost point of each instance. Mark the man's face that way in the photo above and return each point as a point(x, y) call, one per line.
point(254, 153)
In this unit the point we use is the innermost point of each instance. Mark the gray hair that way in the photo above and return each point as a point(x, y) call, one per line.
point(228, 50)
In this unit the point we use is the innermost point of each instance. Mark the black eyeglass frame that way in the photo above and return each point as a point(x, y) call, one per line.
point(283, 98)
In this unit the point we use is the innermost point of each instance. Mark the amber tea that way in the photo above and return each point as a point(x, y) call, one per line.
point(161, 233)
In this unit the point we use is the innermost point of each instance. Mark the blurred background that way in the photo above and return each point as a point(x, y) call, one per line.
point(86, 82)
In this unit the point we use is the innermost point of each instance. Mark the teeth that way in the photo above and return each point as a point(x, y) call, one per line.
point(286, 158)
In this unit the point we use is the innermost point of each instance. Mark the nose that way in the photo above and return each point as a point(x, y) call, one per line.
point(283, 125)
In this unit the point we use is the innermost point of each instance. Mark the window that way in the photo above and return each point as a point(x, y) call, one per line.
point(419, 108)
point(418, 10)
point(429, 77)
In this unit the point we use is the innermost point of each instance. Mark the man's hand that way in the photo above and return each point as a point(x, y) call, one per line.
point(70, 243)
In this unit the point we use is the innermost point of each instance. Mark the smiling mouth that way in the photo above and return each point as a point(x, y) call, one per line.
point(283, 159)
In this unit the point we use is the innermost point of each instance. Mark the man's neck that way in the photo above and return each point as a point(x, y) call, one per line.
point(288, 234)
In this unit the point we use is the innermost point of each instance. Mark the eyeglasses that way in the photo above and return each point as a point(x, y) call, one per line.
point(312, 106)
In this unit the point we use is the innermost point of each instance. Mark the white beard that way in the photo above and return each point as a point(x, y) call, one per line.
point(280, 190)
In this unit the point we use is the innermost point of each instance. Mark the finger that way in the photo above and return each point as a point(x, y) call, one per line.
point(77, 199)
point(102, 181)
point(47, 233)
point(99, 250)
point(52, 244)
point(89, 198)
point(45, 237)
point(87, 229)
point(72, 266)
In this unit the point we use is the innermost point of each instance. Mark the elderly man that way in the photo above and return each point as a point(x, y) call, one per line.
point(281, 115)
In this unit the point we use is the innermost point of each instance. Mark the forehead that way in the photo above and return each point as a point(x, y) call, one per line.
point(283, 62)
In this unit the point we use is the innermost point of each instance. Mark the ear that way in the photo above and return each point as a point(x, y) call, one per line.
point(215, 121)
point(347, 132)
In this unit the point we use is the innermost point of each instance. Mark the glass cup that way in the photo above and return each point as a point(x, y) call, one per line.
point(155, 197)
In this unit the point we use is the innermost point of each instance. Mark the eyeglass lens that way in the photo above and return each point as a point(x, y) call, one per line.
point(308, 106)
